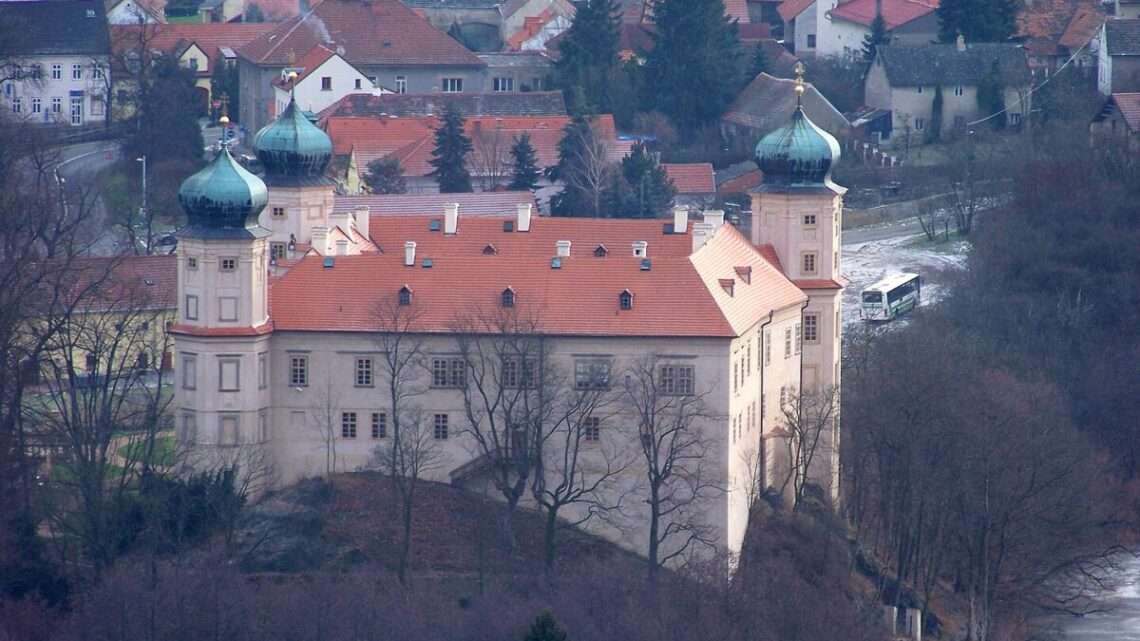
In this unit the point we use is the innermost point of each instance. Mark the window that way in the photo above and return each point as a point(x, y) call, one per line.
point(227, 309)
point(592, 429)
point(189, 427)
point(56, 105)
point(299, 370)
point(364, 372)
point(920, 89)
point(1015, 119)
point(17, 105)
point(625, 300)
point(767, 347)
point(229, 374)
point(811, 41)
point(262, 426)
point(452, 85)
point(278, 212)
point(448, 372)
point(189, 371)
point(348, 424)
point(676, 380)
point(326, 83)
point(919, 124)
point(809, 220)
point(37, 105)
point(191, 307)
point(192, 64)
point(439, 427)
point(262, 370)
point(401, 84)
point(518, 373)
point(504, 84)
point(405, 296)
point(228, 429)
point(227, 264)
point(958, 90)
point(799, 337)
point(77, 72)
point(57, 72)
point(356, 83)
point(592, 373)
point(809, 262)
point(748, 358)
point(379, 425)
point(192, 263)
point(788, 343)
point(811, 327)
point(77, 110)
point(277, 251)
point(508, 297)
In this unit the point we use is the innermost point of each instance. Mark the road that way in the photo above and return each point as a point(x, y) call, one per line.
point(78, 167)
point(1121, 621)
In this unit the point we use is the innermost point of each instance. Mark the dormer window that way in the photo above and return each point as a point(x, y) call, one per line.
point(405, 295)
point(600, 251)
point(745, 274)
point(489, 250)
point(508, 297)
point(625, 300)
point(640, 248)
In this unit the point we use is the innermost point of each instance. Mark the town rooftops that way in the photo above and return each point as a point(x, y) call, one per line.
point(1051, 27)
point(453, 4)
point(1122, 37)
point(54, 27)
point(945, 64)
point(692, 177)
point(896, 13)
point(126, 283)
point(790, 9)
point(306, 65)
point(767, 103)
point(379, 32)
point(486, 203)
point(1128, 104)
point(211, 37)
point(531, 103)
point(576, 295)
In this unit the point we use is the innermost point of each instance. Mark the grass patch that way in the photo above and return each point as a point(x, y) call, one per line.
point(64, 473)
point(950, 244)
point(163, 454)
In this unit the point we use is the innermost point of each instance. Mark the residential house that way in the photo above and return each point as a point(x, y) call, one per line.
point(768, 101)
point(502, 104)
point(202, 48)
point(1118, 61)
point(844, 28)
point(905, 81)
point(1126, 9)
point(63, 53)
point(800, 26)
point(487, 25)
point(517, 71)
point(1118, 121)
point(136, 11)
point(1056, 32)
point(738, 178)
point(221, 10)
point(694, 182)
point(389, 42)
point(323, 77)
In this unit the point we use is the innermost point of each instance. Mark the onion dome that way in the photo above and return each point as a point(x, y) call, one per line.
point(797, 154)
point(223, 199)
point(292, 148)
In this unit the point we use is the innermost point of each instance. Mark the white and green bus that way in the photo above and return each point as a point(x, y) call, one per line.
point(891, 297)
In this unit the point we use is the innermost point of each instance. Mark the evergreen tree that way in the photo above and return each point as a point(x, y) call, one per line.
point(167, 110)
point(582, 169)
point(991, 98)
point(877, 36)
point(449, 157)
point(386, 176)
point(978, 20)
point(642, 189)
point(588, 55)
point(525, 173)
point(224, 82)
point(759, 62)
point(693, 69)
point(936, 116)
point(545, 628)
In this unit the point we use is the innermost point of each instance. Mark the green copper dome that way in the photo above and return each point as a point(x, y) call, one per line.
point(292, 148)
point(222, 199)
point(798, 154)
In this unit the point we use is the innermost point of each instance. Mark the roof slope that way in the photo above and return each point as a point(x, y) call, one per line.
point(54, 27)
point(790, 9)
point(1050, 27)
point(1129, 106)
point(944, 64)
point(692, 177)
point(896, 13)
point(379, 32)
point(579, 298)
point(487, 203)
point(1123, 37)
point(530, 103)
point(122, 283)
point(767, 103)
point(175, 38)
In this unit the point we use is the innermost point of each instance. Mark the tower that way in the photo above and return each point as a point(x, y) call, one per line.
point(221, 337)
point(295, 153)
point(798, 211)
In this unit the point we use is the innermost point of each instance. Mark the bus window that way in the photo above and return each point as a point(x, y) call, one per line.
point(872, 297)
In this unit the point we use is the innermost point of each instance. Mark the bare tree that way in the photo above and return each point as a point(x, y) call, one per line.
point(932, 218)
point(326, 422)
point(809, 422)
point(589, 166)
point(491, 157)
point(661, 398)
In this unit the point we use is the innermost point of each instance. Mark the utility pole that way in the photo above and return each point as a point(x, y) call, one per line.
point(143, 210)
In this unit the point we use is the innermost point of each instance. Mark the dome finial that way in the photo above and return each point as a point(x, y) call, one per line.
point(799, 82)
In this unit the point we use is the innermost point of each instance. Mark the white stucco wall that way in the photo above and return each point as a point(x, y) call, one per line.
point(88, 91)
point(310, 96)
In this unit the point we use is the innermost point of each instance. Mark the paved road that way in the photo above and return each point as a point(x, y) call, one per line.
point(882, 231)
point(1121, 622)
point(78, 166)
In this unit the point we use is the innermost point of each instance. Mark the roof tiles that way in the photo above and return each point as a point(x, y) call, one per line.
point(691, 178)
point(896, 13)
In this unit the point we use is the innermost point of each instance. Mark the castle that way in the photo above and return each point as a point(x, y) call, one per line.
point(284, 303)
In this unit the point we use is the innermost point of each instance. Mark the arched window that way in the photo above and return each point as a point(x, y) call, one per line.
point(405, 295)
point(508, 297)
point(625, 300)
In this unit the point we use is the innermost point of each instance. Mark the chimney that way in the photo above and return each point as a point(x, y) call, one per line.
point(524, 217)
point(339, 219)
point(562, 248)
point(714, 218)
point(450, 218)
point(680, 219)
point(361, 215)
point(961, 42)
point(410, 253)
point(321, 239)
point(640, 248)
point(701, 233)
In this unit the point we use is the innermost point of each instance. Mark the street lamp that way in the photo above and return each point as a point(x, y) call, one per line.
point(142, 210)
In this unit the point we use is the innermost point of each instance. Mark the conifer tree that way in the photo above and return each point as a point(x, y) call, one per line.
point(525, 173)
point(588, 55)
point(936, 116)
point(991, 98)
point(449, 157)
point(386, 176)
point(583, 170)
point(877, 36)
point(545, 628)
point(642, 189)
point(977, 20)
point(693, 70)
point(759, 62)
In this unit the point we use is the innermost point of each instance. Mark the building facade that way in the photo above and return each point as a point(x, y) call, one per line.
point(282, 358)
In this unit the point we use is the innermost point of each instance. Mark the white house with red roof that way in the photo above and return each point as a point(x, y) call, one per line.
point(322, 78)
point(838, 27)
point(280, 357)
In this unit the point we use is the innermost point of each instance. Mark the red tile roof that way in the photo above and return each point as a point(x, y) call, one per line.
point(790, 9)
point(752, 32)
point(176, 38)
point(1049, 27)
point(896, 13)
point(379, 32)
point(1129, 106)
point(691, 178)
point(742, 183)
point(310, 62)
point(127, 282)
point(486, 203)
point(579, 298)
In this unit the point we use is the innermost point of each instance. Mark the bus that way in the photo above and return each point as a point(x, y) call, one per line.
point(891, 297)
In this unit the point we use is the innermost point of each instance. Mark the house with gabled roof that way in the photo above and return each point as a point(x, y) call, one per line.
point(1118, 121)
point(1118, 60)
point(136, 11)
point(767, 101)
point(318, 80)
point(386, 40)
point(1056, 32)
